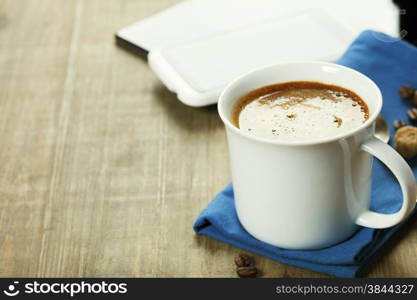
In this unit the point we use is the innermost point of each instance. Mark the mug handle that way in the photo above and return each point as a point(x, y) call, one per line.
point(405, 177)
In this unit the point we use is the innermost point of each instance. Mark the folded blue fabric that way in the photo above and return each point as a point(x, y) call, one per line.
point(390, 63)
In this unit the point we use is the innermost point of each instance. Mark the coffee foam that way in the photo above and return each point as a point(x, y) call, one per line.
point(301, 115)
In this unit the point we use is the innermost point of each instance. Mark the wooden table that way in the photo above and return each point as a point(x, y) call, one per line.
point(102, 170)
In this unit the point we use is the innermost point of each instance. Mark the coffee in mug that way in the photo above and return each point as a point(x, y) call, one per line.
point(301, 143)
point(299, 111)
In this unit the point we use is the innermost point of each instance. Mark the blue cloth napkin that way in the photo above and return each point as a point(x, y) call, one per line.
point(391, 63)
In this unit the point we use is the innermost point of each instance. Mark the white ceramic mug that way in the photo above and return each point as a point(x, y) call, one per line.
point(309, 195)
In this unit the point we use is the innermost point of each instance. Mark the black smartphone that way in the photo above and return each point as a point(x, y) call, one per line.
point(408, 20)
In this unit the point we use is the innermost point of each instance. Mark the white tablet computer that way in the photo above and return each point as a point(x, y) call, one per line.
point(198, 46)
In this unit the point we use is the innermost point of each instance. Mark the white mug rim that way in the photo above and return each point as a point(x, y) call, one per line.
point(371, 119)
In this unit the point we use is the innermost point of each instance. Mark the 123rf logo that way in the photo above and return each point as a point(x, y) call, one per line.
point(71, 289)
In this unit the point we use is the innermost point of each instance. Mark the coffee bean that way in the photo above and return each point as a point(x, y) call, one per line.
point(406, 92)
point(412, 114)
point(398, 124)
point(243, 260)
point(247, 272)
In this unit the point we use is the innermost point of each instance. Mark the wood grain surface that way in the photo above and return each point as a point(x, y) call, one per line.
point(102, 170)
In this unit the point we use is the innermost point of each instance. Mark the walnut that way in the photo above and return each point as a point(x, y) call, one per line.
point(406, 141)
